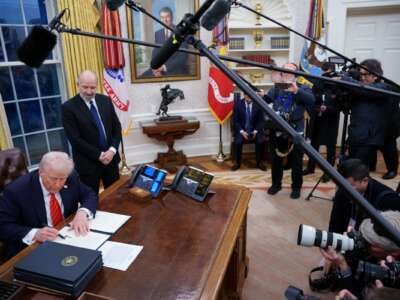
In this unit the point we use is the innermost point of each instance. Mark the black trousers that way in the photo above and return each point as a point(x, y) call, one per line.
point(295, 160)
point(364, 153)
point(389, 152)
point(330, 154)
point(108, 175)
point(259, 151)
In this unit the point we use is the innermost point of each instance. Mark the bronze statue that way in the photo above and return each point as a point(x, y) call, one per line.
point(168, 96)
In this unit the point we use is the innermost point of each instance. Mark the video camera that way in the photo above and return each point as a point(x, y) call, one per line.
point(294, 293)
point(368, 273)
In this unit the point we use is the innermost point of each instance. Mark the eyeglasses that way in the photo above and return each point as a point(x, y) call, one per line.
point(364, 74)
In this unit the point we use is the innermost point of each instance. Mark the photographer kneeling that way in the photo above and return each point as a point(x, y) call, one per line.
point(378, 247)
point(345, 213)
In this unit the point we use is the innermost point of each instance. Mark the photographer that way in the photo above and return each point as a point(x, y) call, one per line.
point(368, 114)
point(289, 101)
point(378, 247)
point(344, 211)
point(324, 120)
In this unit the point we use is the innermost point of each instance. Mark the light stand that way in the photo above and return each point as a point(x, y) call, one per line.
point(297, 138)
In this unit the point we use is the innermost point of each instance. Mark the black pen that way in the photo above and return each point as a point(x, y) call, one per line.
point(58, 234)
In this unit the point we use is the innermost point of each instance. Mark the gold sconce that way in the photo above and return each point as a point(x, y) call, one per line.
point(258, 38)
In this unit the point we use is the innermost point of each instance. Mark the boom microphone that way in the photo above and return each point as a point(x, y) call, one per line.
point(114, 4)
point(166, 51)
point(216, 13)
point(37, 46)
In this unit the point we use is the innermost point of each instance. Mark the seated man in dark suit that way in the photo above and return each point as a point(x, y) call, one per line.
point(248, 123)
point(35, 203)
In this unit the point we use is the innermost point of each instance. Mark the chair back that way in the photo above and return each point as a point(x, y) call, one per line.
point(12, 166)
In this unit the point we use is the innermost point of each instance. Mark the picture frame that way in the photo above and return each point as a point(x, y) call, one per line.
point(180, 66)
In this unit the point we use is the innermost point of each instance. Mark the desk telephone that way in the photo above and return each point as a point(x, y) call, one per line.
point(192, 182)
point(148, 178)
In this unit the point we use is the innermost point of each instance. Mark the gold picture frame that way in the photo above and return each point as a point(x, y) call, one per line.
point(181, 66)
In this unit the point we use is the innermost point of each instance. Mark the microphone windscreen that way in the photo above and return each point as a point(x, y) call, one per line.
point(37, 46)
point(165, 52)
point(114, 4)
point(215, 14)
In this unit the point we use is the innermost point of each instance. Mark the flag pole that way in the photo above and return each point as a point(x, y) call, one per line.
point(220, 156)
point(123, 169)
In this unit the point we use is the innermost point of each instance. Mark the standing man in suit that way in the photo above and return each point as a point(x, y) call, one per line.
point(35, 203)
point(94, 131)
point(177, 64)
point(248, 125)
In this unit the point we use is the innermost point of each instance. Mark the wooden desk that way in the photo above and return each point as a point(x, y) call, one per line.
point(168, 132)
point(192, 250)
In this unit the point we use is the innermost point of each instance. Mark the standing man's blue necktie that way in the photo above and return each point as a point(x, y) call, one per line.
point(248, 119)
point(99, 125)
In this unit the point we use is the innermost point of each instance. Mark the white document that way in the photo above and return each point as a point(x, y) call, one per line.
point(92, 240)
point(107, 222)
point(119, 255)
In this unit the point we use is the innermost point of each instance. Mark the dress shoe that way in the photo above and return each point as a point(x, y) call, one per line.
point(274, 189)
point(325, 178)
point(295, 194)
point(389, 175)
point(262, 167)
point(307, 171)
point(235, 167)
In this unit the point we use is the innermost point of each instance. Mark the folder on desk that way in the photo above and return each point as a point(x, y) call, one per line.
point(59, 267)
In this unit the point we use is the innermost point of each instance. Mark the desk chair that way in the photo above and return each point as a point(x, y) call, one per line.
point(12, 166)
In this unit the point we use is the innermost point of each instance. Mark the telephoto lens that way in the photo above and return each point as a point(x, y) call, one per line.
point(309, 236)
point(368, 273)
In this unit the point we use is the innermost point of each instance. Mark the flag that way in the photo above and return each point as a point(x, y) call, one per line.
point(114, 79)
point(220, 95)
point(312, 56)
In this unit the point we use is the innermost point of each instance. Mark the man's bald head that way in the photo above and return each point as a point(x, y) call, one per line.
point(87, 84)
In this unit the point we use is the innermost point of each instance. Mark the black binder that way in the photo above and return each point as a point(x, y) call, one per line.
point(64, 268)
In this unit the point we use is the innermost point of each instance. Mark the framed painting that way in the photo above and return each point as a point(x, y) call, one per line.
point(180, 66)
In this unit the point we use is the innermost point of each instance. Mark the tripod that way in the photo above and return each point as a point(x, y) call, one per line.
point(342, 154)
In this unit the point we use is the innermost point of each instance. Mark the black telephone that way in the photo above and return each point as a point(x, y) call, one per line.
point(192, 182)
point(148, 178)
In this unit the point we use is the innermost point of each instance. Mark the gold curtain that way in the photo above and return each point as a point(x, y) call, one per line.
point(81, 53)
point(5, 136)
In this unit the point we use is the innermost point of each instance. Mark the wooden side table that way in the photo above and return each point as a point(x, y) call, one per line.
point(168, 132)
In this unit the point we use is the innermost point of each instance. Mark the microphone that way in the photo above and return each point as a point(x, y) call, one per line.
point(114, 4)
point(37, 46)
point(39, 43)
point(216, 13)
point(56, 20)
point(166, 51)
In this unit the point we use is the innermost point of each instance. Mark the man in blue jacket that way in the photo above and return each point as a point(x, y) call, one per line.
point(290, 103)
point(35, 203)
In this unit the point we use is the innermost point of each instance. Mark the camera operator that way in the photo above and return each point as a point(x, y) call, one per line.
point(344, 211)
point(368, 114)
point(290, 101)
point(378, 247)
point(324, 121)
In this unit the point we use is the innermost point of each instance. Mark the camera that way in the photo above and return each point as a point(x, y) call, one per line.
point(294, 293)
point(309, 236)
point(369, 272)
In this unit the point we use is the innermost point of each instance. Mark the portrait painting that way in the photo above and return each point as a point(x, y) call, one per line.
point(181, 65)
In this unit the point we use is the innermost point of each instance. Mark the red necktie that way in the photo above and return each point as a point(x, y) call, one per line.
point(55, 210)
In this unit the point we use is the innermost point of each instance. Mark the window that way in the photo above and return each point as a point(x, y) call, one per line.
point(32, 97)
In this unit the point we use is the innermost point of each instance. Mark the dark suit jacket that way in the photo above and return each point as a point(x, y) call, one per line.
point(177, 64)
point(82, 132)
point(239, 119)
point(22, 207)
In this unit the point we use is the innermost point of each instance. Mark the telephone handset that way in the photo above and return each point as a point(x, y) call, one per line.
point(192, 182)
point(148, 178)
